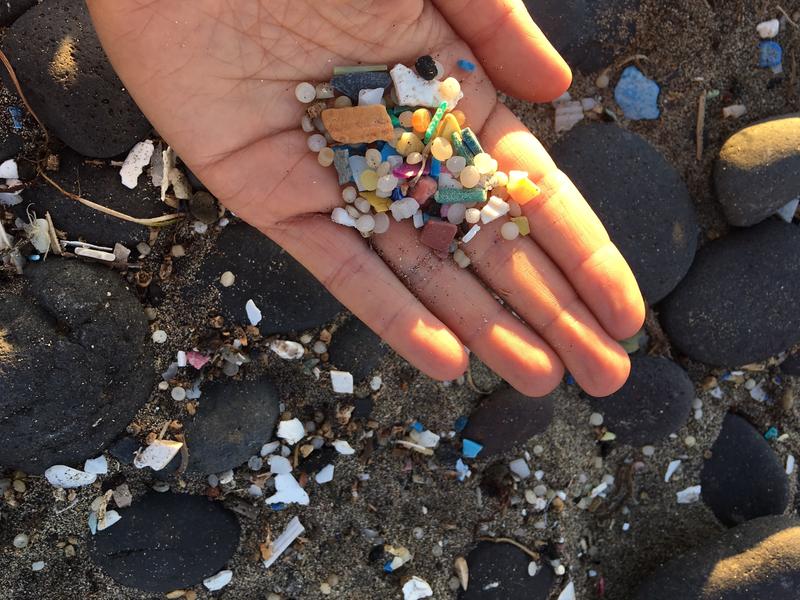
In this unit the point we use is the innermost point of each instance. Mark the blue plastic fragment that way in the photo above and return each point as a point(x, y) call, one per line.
point(466, 65)
point(387, 151)
point(436, 168)
point(726, 376)
point(417, 426)
point(469, 448)
point(387, 568)
point(425, 217)
point(770, 54)
point(93, 522)
point(637, 95)
point(570, 379)
point(34, 257)
point(16, 116)
point(277, 506)
point(461, 423)
point(397, 194)
point(771, 433)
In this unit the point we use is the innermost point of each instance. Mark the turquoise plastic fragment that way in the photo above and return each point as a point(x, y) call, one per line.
point(471, 141)
point(460, 148)
point(470, 449)
point(771, 434)
point(460, 196)
point(437, 117)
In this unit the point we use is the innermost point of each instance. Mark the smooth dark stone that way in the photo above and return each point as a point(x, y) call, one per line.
point(355, 348)
point(70, 83)
point(10, 143)
point(288, 296)
point(234, 419)
point(75, 364)
point(491, 563)
point(588, 33)
point(124, 448)
point(738, 304)
point(11, 10)
point(350, 84)
point(744, 478)
point(506, 418)
point(318, 459)
point(758, 170)
point(654, 402)
point(166, 541)
point(791, 366)
point(99, 184)
point(757, 560)
point(204, 207)
point(640, 198)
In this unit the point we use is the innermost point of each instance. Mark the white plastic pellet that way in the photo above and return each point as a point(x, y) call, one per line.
point(456, 213)
point(381, 223)
point(365, 223)
point(472, 215)
point(349, 194)
point(734, 111)
point(362, 204)
point(159, 336)
point(469, 176)
point(373, 157)
point(414, 158)
point(306, 124)
point(342, 217)
point(595, 419)
point(20, 540)
point(509, 231)
point(305, 92)
point(462, 260)
point(456, 164)
point(483, 162)
point(178, 393)
point(317, 142)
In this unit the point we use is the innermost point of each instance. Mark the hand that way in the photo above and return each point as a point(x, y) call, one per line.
point(217, 81)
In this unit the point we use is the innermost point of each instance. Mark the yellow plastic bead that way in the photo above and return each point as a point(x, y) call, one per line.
point(522, 190)
point(460, 117)
point(448, 126)
point(325, 157)
point(379, 204)
point(369, 180)
point(421, 120)
point(469, 177)
point(414, 158)
point(523, 225)
point(406, 119)
point(441, 149)
point(408, 143)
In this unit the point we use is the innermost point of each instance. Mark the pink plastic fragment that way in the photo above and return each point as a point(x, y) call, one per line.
point(438, 235)
point(407, 171)
point(424, 190)
point(197, 360)
point(443, 210)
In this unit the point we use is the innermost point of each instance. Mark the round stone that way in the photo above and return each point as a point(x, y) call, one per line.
point(166, 541)
point(740, 448)
point(70, 84)
point(737, 304)
point(509, 231)
point(305, 92)
point(654, 402)
point(619, 174)
point(70, 330)
point(278, 285)
point(505, 419)
point(499, 571)
point(355, 348)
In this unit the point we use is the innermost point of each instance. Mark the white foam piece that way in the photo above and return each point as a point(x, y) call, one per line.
point(689, 495)
point(98, 466)
point(292, 431)
point(288, 491)
point(138, 158)
point(66, 477)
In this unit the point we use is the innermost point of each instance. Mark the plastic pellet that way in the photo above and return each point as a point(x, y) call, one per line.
point(324, 91)
point(456, 164)
point(472, 216)
point(450, 89)
point(469, 176)
point(471, 234)
point(362, 205)
point(387, 183)
point(365, 223)
point(305, 92)
point(441, 149)
point(342, 102)
point(408, 143)
point(466, 65)
point(456, 213)
point(369, 180)
point(178, 393)
point(227, 279)
point(462, 260)
point(514, 209)
point(421, 120)
point(500, 179)
point(595, 419)
point(463, 196)
point(317, 142)
point(306, 124)
point(418, 220)
point(325, 157)
point(353, 212)
point(381, 223)
point(349, 194)
point(509, 231)
point(414, 158)
point(523, 225)
point(406, 119)
point(522, 190)
point(471, 141)
point(437, 117)
point(460, 117)
point(20, 540)
point(373, 157)
point(485, 164)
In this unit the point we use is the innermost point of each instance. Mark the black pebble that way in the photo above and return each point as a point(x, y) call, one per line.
point(355, 348)
point(744, 478)
point(500, 571)
point(426, 67)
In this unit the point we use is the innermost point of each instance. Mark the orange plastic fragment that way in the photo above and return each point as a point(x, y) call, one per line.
point(522, 190)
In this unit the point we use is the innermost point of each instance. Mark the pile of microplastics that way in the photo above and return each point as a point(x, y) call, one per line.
point(400, 146)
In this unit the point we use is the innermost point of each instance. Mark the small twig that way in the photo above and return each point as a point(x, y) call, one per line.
point(788, 18)
point(505, 540)
point(66, 508)
point(701, 124)
point(184, 453)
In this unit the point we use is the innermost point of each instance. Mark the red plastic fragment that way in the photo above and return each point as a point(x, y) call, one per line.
point(438, 235)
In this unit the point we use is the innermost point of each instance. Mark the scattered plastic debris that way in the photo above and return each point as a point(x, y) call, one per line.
point(637, 95)
point(253, 313)
point(292, 431)
point(463, 470)
point(294, 529)
point(758, 393)
point(324, 475)
point(375, 383)
point(689, 495)
point(218, 581)
point(425, 438)
point(770, 56)
point(287, 350)
point(343, 447)
point(671, 468)
point(401, 556)
point(157, 455)
point(138, 158)
point(288, 491)
point(416, 588)
point(98, 466)
point(768, 29)
point(342, 382)
point(469, 448)
point(66, 477)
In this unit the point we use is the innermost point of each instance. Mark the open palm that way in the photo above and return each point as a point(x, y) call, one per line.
point(217, 80)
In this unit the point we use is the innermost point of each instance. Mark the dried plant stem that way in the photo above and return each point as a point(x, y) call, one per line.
point(505, 540)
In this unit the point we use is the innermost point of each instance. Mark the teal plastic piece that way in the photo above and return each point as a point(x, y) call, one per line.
point(471, 141)
point(462, 196)
point(460, 148)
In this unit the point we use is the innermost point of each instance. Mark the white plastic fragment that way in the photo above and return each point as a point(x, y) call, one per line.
point(287, 350)
point(689, 495)
point(413, 90)
point(404, 209)
point(157, 455)
point(38, 565)
point(599, 489)
point(9, 170)
point(790, 462)
point(671, 468)
point(342, 217)
point(768, 29)
point(494, 209)
point(568, 593)
point(138, 158)
point(471, 234)
point(375, 383)
point(10, 198)
point(109, 518)
point(253, 313)
point(786, 212)
point(520, 468)
point(418, 220)
point(279, 465)
point(218, 581)
point(758, 393)
point(292, 431)
point(568, 115)
point(324, 475)
point(269, 448)
point(38, 234)
point(342, 382)
point(370, 96)
point(294, 529)
point(343, 447)
point(734, 111)
point(98, 466)
point(425, 438)
point(66, 477)
point(416, 588)
point(288, 491)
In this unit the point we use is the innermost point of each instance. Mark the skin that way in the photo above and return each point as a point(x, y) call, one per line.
point(217, 81)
